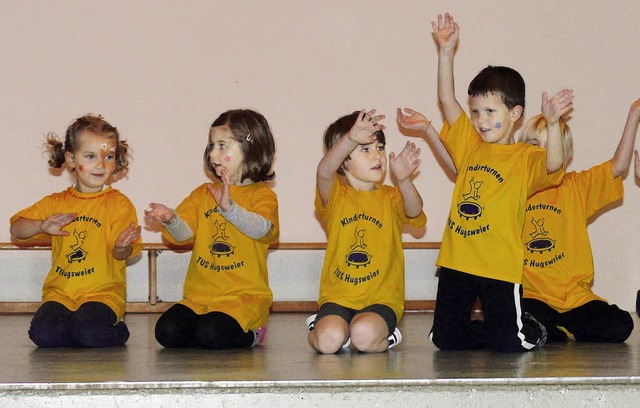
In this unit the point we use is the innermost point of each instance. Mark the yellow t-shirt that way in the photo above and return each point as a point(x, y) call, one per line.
point(83, 267)
point(482, 233)
point(364, 261)
point(558, 264)
point(228, 270)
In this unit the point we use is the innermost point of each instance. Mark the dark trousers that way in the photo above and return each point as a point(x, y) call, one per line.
point(94, 324)
point(595, 321)
point(182, 327)
point(503, 328)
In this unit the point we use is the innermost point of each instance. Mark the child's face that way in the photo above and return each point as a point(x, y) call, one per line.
point(492, 119)
point(538, 138)
point(226, 153)
point(367, 166)
point(94, 161)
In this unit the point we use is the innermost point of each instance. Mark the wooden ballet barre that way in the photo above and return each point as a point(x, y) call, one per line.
point(154, 249)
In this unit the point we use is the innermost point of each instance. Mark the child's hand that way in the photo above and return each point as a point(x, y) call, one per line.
point(366, 125)
point(126, 237)
point(413, 120)
point(406, 162)
point(554, 108)
point(636, 162)
point(53, 225)
point(221, 194)
point(446, 32)
point(158, 212)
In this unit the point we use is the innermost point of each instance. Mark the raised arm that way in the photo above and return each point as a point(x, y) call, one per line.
point(446, 33)
point(362, 132)
point(553, 109)
point(414, 120)
point(402, 167)
point(622, 157)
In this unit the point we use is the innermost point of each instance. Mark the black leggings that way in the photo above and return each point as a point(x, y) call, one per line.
point(504, 328)
point(595, 321)
point(94, 324)
point(182, 327)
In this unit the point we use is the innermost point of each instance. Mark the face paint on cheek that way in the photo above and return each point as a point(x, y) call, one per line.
point(498, 125)
point(81, 168)
point(227, 159)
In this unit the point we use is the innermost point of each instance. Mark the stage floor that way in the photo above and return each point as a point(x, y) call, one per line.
point(285, 358)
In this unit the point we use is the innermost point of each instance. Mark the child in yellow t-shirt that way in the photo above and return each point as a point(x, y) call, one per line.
point(230, 223)
point(362, 283)
point(558, 266)
point(481, 252)
point(93, 230)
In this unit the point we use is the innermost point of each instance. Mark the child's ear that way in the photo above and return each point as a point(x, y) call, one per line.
point(516, 113)
point(69, 159)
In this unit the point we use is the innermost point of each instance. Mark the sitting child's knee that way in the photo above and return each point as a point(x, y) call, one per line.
point(327, 341)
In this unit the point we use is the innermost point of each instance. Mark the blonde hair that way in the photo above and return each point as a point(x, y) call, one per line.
point(538, 123)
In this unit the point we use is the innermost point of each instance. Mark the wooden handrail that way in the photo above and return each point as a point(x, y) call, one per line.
point(154, 249)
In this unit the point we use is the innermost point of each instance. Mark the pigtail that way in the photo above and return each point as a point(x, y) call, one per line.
point(56, 150)
point(122, 157)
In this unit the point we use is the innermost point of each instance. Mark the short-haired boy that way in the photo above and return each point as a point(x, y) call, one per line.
point(362, 282)
point(481, 254)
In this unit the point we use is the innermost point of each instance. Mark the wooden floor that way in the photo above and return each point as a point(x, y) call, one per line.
point(286, 358)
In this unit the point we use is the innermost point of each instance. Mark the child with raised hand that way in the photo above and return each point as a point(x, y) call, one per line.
point(362, 283)
point(93, 230)
point(558, 266)
point(481, 254)
point(230, 223)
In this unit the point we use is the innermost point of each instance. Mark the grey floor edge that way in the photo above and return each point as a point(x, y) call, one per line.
point(285, 362)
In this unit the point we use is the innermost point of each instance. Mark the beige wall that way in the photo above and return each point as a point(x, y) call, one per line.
point(162, 71)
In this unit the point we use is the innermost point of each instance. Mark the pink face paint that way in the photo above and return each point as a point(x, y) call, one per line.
point(227, 159)
point(498, 125)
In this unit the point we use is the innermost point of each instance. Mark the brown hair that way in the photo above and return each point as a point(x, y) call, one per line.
point(87, 123)
point(341, 127)
point(252, 131)
point(502, 81)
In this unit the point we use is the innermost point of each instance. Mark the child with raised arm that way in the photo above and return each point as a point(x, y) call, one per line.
point(362, 284)
point(93, 230)
point(230, 223)
point(558, 266)
point(481, 253)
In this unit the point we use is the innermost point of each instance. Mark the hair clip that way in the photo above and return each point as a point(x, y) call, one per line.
point(248, 137)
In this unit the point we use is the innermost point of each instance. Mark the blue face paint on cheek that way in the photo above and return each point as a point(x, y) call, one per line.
point(498, 125)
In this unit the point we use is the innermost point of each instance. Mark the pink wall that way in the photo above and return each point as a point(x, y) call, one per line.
point(162, 71)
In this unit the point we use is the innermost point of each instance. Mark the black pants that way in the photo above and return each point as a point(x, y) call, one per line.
point(94, 324)
point(595, 321)
point(503, 329)
point(182, 327)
